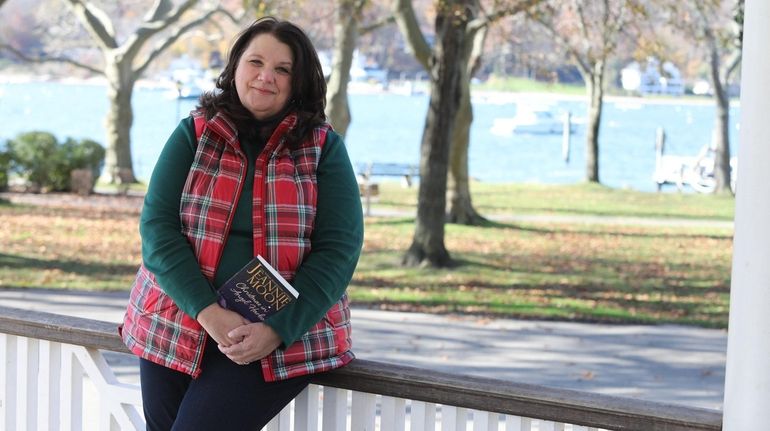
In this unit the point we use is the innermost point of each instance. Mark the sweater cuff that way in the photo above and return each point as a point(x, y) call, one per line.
point(197, 304)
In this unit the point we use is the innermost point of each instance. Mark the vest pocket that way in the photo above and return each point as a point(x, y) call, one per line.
point(154, 311)
point(328, 338)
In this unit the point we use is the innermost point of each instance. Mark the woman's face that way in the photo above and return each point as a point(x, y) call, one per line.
point(263, 76)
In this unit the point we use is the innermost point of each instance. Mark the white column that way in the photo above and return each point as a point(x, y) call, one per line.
point(747, 385)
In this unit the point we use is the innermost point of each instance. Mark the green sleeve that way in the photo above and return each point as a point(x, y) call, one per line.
point(165, 250)
point(336, 243)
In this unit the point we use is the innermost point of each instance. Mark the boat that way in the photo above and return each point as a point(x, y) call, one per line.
point(187, 79)
point(190, 85)
point(533, 121)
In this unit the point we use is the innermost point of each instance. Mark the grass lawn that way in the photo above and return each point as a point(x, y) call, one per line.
point(535, 269)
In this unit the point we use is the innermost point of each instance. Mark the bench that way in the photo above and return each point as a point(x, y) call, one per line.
point(366, 171)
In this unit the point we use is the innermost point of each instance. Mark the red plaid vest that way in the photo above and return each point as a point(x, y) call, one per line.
point(285, 191)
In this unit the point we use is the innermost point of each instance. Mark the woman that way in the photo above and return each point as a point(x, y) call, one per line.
point(254, 170)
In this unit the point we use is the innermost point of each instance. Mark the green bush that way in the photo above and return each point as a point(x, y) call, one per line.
point(46, 164)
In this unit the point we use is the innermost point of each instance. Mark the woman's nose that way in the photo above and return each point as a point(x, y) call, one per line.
point(265, 75)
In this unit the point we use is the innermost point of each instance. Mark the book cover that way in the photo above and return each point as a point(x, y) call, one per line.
point(256, 291)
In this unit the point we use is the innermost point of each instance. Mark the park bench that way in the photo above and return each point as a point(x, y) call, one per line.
point(366, 172)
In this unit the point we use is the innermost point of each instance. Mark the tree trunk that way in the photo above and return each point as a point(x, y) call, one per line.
point(720, 137)
point(461, 208)
point(427, 248)
point(118, 166)
point(595, 87)
point(345, 39)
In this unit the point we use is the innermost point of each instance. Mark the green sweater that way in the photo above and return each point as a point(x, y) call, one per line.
point(324, 274)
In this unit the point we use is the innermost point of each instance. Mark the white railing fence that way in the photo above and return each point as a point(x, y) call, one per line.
point(55, 377)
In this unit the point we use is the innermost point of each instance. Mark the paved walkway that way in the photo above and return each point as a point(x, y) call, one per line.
point(668, 363)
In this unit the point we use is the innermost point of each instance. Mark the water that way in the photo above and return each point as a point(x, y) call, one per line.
point(388, 128)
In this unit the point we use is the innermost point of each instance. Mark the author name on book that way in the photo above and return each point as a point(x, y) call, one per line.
point(259, 283)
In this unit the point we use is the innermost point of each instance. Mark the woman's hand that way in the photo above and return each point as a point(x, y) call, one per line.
point(219, 321)
point(257, 341)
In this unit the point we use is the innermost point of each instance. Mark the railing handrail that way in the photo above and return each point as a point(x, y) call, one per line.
point(473, 392)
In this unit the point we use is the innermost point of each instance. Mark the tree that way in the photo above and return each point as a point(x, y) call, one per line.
point(718, 26)
point(124, 63)
point(460, 207)
point(348, 14)
point(347, 28)
point(589, 31)
point(452, 17)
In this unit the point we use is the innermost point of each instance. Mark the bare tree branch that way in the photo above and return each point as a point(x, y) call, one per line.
point(97, 23)
point(47, 59)
point(137, 40)
point(390, 19)
point(585, 68)
point(156, 51)
point(502, 12)
point(159, 10)
point(410, 28)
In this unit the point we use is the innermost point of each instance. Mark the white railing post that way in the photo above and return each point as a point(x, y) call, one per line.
point(335, 409)
point(8, 380)
point(747, 377)
point(516, 423)
point(393, 414)
point(26, 378)
point(281, 421)
point(363, 411)
point(50, 388)
point(453, 418)
point(71, 391)
point(423, 416)
point(306, 409)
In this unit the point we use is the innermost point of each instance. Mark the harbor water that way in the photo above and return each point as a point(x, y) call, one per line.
point(388, 127)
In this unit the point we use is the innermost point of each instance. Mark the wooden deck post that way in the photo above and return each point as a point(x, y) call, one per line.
point(747, 386)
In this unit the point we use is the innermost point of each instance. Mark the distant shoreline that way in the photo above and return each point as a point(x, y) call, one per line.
point(489, 96)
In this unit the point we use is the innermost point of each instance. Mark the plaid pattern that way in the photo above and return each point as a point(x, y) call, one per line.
point(154, 328)
point(284, 209)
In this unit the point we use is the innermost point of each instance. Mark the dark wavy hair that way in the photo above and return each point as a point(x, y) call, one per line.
point(308, 86)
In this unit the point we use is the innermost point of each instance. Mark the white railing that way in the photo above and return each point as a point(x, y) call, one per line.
point(54, 377)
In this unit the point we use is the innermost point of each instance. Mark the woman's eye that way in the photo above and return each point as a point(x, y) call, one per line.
point(256, 62)
point(283, 71)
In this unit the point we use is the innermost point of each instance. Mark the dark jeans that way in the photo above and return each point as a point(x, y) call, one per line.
point(226, 396)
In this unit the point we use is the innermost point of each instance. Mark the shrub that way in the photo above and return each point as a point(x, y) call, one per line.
point(32, 156)
point(48, 165)
point(71, 155)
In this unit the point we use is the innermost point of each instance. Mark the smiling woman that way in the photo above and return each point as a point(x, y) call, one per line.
point(254, 170)
point(263, 76)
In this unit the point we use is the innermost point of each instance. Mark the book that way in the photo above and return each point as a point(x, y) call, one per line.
point(256, 291)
